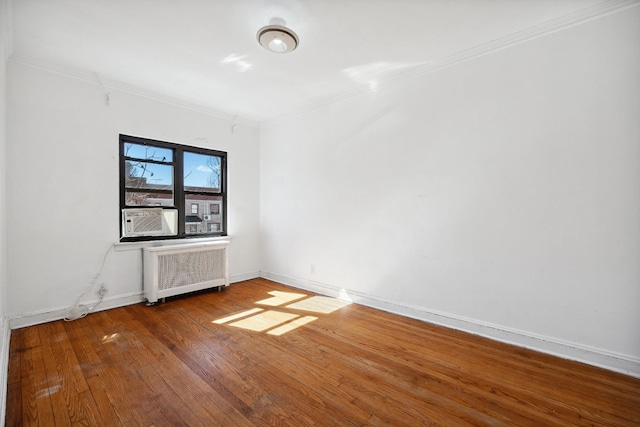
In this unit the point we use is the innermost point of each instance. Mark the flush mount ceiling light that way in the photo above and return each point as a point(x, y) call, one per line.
point(277, 38)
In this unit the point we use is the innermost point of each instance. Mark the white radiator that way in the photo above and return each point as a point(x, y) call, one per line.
point(178, 269)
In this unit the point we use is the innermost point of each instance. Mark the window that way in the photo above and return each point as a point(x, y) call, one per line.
point(173, 176)
point(215, 209)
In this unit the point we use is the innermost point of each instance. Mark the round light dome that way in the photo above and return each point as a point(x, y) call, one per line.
point(278, 39)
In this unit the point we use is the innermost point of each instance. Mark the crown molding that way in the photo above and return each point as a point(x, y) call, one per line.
point(135, 90)
point(542, 30)
point(106, 83)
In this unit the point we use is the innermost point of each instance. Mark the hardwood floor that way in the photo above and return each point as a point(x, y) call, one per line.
point(186, 363)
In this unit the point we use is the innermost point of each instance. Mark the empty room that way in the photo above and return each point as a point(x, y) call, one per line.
point(295, 212)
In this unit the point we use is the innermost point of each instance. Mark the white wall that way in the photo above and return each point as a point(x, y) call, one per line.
point(62, 195)
point(498, 195)
point(4, 54)
point(5, 333)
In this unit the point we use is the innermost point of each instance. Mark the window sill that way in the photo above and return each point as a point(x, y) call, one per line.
point(134, 246)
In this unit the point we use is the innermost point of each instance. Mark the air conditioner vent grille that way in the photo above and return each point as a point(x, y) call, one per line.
point(147, 222)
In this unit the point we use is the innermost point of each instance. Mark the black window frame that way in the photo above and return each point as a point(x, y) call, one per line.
point(179, 192)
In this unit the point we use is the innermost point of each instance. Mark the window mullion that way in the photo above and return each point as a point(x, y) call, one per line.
point(223, 188)
point(178, 180)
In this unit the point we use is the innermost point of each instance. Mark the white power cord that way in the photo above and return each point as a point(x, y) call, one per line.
point(77, 310)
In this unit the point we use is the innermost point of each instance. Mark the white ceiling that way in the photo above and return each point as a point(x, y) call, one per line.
point(205, 51)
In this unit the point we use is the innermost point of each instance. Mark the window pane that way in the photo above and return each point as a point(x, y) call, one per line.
point(148, 176)
point(148, 179)
point(201, 172)
point(133, 198)
point(206, 222)
point(148, 152)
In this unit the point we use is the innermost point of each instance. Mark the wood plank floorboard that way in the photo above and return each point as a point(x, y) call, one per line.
point(186, 363)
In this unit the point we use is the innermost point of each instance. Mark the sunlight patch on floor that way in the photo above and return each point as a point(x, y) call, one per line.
point(344, 295)
point(265, 320)
point(237, 316)
point(288, 327)
point(280, 298)
point(275, 322)
point(319, 304)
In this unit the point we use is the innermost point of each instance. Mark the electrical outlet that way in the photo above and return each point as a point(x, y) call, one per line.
point(313, 269)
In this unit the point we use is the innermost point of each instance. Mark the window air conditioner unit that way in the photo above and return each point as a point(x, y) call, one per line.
point(207, 217)
point(149, 222)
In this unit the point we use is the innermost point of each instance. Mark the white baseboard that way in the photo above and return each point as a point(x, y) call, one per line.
point(568, 350)
point(241, 277)
point(50, 315)
point(5, 337)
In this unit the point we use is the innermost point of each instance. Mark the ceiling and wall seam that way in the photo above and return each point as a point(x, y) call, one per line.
point(96, 78)
point(541, 30)
point(523, 36)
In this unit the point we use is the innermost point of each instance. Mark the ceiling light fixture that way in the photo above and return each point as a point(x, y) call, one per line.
point(277, 38)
